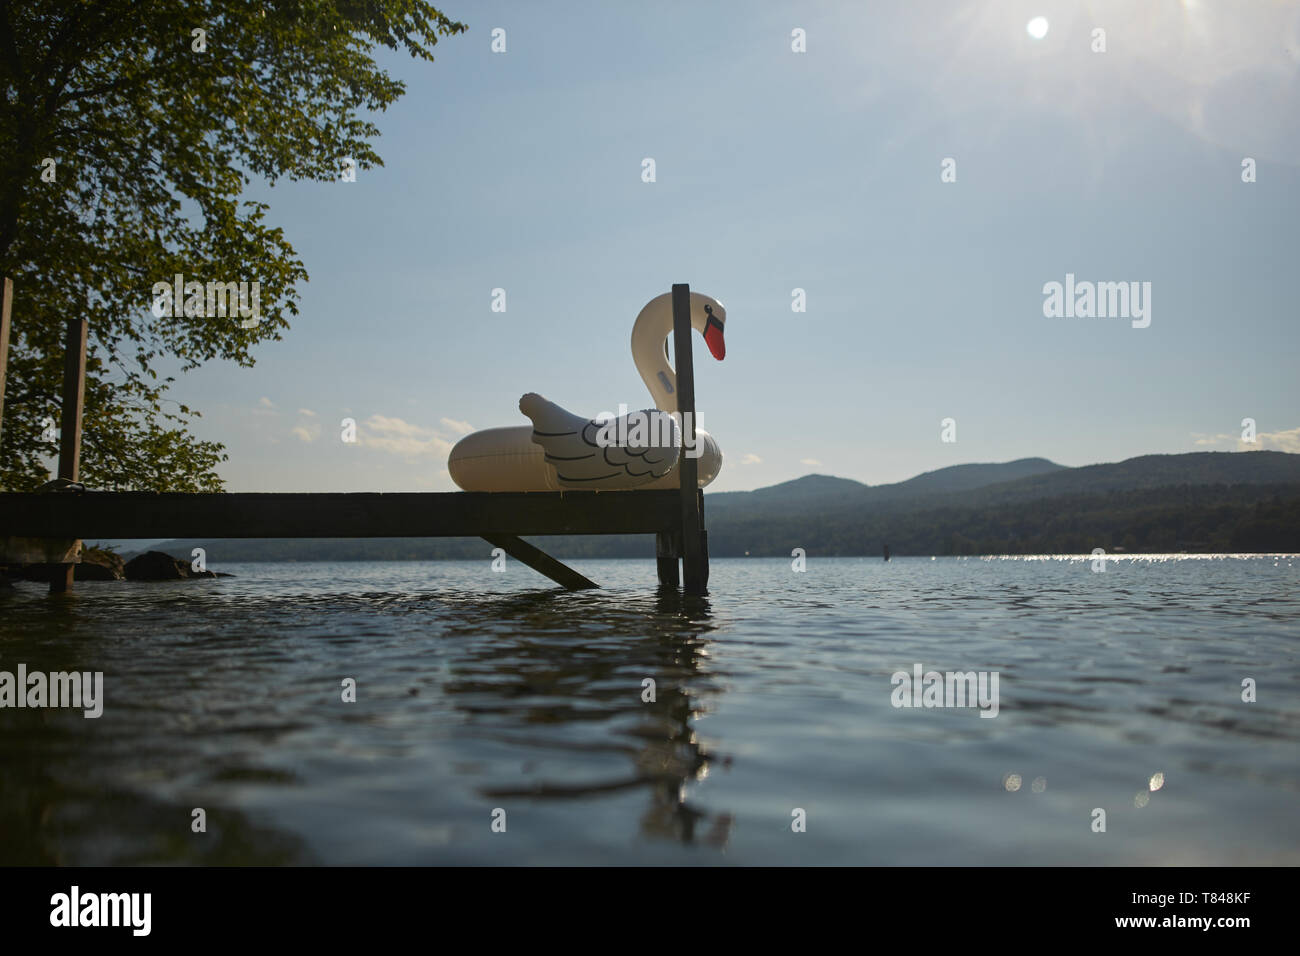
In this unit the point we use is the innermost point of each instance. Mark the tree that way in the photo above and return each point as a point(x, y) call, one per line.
point(128, 132)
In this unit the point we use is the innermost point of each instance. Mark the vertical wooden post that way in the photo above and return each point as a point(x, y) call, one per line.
point(695, 573)
point(704, 543)
point(666, 554)
point(6, 302)
point(74, 396)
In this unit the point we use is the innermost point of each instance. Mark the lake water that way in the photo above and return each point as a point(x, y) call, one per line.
point(479, 691)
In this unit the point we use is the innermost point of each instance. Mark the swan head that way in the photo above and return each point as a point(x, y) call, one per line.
point(714, 321)
point(650, 336)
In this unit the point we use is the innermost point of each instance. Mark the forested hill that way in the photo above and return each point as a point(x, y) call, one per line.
point(1205, 501)
point(816, 492)
point(1024, 480)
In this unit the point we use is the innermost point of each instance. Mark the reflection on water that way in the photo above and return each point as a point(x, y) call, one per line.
point(478, 691)
point(549, 669)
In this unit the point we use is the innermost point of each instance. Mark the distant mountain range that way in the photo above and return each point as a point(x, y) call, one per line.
point(1204, 501)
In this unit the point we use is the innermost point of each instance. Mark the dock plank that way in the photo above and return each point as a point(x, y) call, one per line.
point(129, 514)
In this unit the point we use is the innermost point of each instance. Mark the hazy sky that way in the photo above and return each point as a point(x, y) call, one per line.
point(821, 171)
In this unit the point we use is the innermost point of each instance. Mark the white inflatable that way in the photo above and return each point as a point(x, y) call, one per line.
point(562, 451)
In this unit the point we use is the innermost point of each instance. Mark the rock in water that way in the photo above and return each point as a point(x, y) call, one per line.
point(157, 566)
point(98, 564)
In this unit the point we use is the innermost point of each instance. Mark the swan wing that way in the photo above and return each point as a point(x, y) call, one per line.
point(621, 453)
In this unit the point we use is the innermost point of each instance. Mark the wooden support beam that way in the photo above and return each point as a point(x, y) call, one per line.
point(667, 551)
point(6, 303)
point(695, 571)
point(467, 514)
point(704, 542)
point(74, 396)
point(540, 561)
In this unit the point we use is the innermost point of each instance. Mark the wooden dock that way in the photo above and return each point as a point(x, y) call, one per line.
point(675, 518)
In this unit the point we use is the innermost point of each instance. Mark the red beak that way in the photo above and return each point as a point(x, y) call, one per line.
point(714, 340)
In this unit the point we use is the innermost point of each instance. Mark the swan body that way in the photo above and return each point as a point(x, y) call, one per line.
point(585, 452)
point(561, 451)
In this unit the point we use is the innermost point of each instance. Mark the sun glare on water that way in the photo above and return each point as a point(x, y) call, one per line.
point(1037, 27)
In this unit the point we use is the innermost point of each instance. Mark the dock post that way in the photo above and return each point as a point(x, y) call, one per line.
point(704, 542)
point(667, 551)
point(6, 302)
point(695, 567)
point(74, 396)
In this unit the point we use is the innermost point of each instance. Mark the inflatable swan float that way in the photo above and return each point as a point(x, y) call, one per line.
point(562, 451)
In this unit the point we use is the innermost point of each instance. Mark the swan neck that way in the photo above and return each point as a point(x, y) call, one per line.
point(649, 343)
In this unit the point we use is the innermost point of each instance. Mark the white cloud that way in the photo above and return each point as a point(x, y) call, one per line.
point(308, 433)
point(1279, 441)
point(460, 428)
point(751, 459)
point(813, 462)
point(1288, 441)
point(400, 437)
point(265, 408)
point(307, 411)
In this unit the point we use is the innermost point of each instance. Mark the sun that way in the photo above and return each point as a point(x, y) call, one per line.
point(1037, 27)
